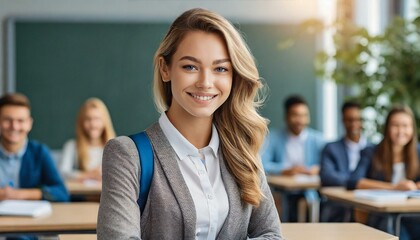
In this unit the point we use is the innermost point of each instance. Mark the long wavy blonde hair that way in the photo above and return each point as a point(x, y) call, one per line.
point(82, 138)
point(241, 129)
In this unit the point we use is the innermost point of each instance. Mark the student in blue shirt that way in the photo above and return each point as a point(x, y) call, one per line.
point(294, 150)
point(27, 170)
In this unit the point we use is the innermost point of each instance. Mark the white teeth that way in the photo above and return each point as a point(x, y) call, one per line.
point(202, 98)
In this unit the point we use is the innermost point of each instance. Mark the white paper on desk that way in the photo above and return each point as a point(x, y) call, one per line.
point(379, 195)
point(413, 194)
point(25, 208)
point(303, 178)
point(91, 183)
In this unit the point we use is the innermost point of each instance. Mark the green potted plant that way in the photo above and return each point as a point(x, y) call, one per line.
point(381, 70)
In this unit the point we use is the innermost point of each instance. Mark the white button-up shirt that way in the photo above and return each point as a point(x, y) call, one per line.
point(353, 151)
point(200, 169)
point(398, 172)
point(295, 150)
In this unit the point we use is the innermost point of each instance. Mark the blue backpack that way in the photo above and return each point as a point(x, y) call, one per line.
point(146, 163)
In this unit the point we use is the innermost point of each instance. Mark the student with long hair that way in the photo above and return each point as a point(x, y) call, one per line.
point(82, 157)
point(208, 181)
point(393, 164)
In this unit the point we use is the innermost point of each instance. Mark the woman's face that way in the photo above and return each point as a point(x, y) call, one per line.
point(200, 74)
point(401, 129)
point(93, 123)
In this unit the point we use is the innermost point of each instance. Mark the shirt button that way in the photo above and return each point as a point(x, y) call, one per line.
point(200, 172)
point(209, 196)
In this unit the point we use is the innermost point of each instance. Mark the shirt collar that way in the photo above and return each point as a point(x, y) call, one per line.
point(183, 148)
point(19, 154)
point(301, 137)
point(361, 144)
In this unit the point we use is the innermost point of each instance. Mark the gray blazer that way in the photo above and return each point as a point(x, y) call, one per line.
point(169, 212)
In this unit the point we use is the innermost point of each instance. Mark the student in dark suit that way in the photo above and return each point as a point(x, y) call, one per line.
point(393, 164)
point(340, 158)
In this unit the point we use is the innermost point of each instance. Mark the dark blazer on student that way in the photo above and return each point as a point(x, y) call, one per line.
point(335, 171)
point(38, 170)
point(334, 164)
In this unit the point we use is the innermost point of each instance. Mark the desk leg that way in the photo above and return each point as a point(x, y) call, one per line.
point(398, 218)
point(314, 211)
point(284, 207)
point(390, 223)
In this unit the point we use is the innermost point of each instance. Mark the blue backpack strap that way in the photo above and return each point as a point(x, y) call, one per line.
point(146, 164)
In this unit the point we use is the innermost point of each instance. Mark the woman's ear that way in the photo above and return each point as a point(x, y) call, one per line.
point(164, 70)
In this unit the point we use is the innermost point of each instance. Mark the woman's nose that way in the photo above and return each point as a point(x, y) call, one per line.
point(205, 80)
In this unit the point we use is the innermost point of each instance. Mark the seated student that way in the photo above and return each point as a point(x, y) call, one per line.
point(82, 158)
point(294, 150)
point(392, 164)
point(207, 179)
point(27, 170)
point(340, 158)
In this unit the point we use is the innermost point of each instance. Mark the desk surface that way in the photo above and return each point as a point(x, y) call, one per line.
point(294, 182)
point(84, 188)
point(77, 237)
point(332, 231)
point(342, 195)
point(64, 217)
point(313, 231)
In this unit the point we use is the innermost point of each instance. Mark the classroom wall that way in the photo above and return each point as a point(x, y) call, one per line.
point(267, 13)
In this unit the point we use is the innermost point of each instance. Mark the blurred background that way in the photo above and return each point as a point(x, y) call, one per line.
point(61, 52)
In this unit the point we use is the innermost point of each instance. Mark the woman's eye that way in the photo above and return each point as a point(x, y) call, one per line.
point(221, 69)
point(189, 67)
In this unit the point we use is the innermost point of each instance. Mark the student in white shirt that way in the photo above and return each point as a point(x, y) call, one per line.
point(208, 182)
point(393, 164)
point(82, 157)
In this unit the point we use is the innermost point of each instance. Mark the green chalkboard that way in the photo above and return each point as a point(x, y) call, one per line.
point(60, 64)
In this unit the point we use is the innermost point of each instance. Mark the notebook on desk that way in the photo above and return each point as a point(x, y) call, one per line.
point(379, 195)
point(25, 208)
point(413, 194)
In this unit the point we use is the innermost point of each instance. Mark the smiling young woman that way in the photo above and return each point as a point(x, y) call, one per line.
point(207, 181)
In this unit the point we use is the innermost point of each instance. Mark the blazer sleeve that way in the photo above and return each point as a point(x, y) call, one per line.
point(329, 175)
point(265, 222)
point(363, 167)
point(52, 185)
point(119, 214)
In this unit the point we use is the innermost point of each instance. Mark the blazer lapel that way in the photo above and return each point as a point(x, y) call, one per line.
point(168, 160)
point(344, 151)
point(233, 218)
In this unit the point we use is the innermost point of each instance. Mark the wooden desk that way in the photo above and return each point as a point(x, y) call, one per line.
point(77, 237)
point(289, 184)
point(342, 195)
point(392, 210)
point(65, 217)
point(332, 231)
point(84, 188)
point(304, 231)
